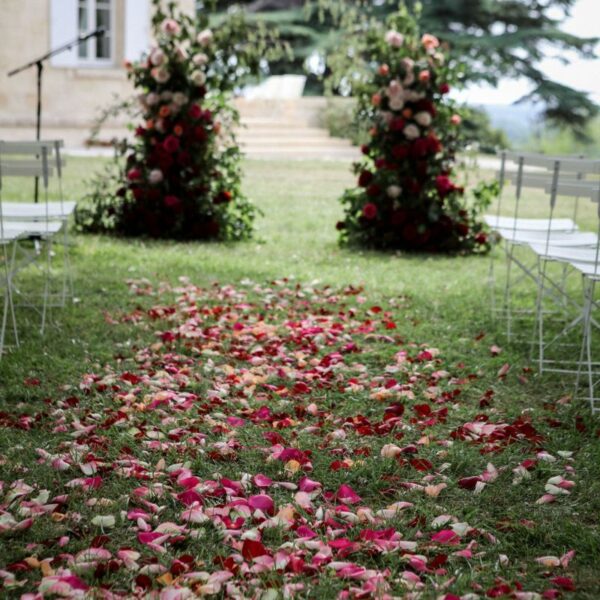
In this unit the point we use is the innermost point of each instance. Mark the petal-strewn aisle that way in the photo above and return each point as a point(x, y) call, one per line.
point(283, 441)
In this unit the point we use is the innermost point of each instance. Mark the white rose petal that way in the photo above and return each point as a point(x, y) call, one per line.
point(105, 521)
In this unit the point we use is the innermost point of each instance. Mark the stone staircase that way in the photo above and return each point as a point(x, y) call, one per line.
point(289, 129)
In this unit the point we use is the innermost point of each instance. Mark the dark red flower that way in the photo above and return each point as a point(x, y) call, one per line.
point(400, 151)
point(443, 185)
point(373, 190)
point(444, 88)
point(172, 202)
point(171, 144)
point(369, 211)
point(365, 148)
point(397, 124)
point(365, 178)
point(194, 112)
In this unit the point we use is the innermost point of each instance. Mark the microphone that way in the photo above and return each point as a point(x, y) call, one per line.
point(97, 33)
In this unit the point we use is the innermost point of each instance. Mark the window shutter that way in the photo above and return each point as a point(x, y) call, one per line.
point(63, 29)
point(137, 28)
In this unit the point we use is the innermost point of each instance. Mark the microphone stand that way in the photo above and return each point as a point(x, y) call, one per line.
point(39, 64)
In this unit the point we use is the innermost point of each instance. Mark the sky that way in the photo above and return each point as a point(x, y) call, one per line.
point(580, 74)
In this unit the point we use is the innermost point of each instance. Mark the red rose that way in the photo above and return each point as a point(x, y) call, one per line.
point(380, 163)
point(420, 147)
point(139, 131)
point(444, 88)
point(373, 190)
point(134, 174)
point(172, 202)
point(427, 106)
point(195, 112)
point(462, 228)
point(397, 124)
point(200, 134)
point(434, 144)
point(171, 144)
point(365, 178)
point(400, 151)
point(369, 211)
point(481, 238)
point(365, 149)
point(443, 185)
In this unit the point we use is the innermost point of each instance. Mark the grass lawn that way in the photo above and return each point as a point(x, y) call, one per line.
point(268, 398)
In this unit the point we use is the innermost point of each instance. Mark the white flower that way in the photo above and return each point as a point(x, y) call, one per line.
point(179, 98)
point(198, 78)
point(423, 118)
point(397, 102)
point(205, 37)
point(160, 74)
point(157, 57)
point(155, 176)
point(394, 191)
point(409, 79)
point(394, 39)
point(152, 99)
point(200, 59)
point(394, 88)
point(411, 132)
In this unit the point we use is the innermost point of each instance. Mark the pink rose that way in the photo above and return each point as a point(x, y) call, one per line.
point(455, 119)
point(205, 37)
point(430, 42)
point(394, 39)
point(170, 27)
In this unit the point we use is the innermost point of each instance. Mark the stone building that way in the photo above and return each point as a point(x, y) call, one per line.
point(76, 83)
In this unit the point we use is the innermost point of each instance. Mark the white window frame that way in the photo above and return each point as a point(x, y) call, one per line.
point(93, 61)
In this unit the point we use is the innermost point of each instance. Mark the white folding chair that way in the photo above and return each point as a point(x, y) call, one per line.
point(47, 217)
point(570, 178)
point(30, 159)
point(517, 232)
point(8, 239)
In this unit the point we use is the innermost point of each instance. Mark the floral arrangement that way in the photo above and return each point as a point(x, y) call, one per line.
point(180, 177)
point(407, 197)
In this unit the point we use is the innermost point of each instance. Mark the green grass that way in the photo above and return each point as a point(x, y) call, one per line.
point(441, 301)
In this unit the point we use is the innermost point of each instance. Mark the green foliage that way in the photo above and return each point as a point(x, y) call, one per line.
point(339, 119)
point(405, 196)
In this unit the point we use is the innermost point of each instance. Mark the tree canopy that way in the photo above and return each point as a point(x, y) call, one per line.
point(493, 38)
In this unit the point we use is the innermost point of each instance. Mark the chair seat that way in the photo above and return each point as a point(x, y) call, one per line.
point(38, 228)
point(496, 222)
point(7, 236)
point(566, 253)
point(589, 269)
point(556, 238)
point(32, 210)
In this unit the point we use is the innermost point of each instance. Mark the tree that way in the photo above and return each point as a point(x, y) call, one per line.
point(494, 38)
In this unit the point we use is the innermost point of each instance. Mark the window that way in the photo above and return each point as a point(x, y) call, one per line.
point(93, 14)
